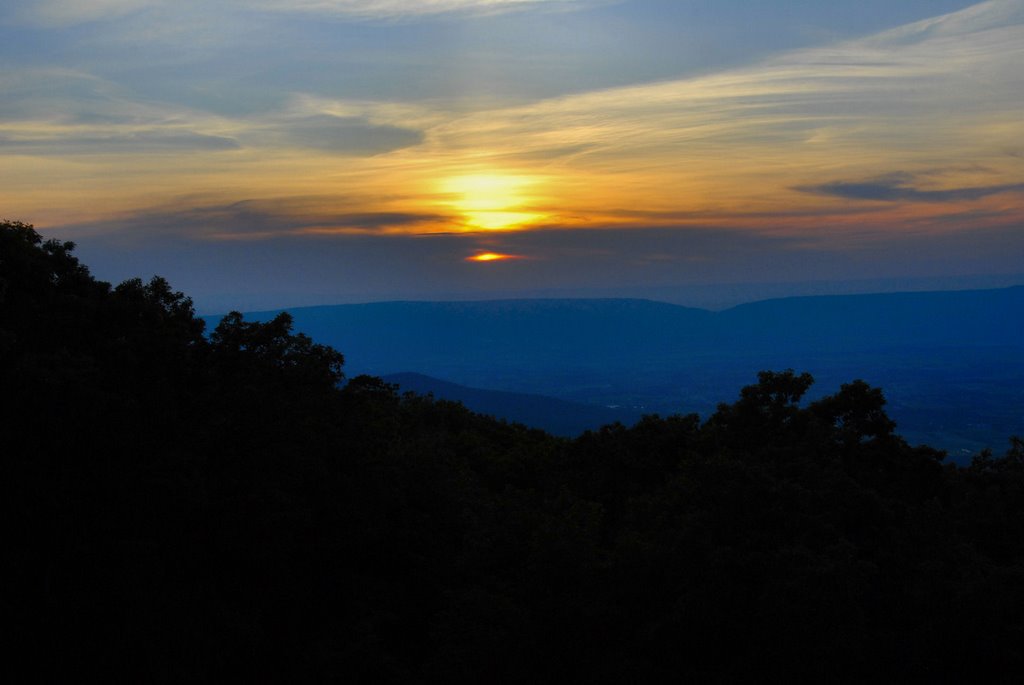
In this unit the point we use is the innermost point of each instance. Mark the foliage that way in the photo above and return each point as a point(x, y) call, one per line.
point(193, 509)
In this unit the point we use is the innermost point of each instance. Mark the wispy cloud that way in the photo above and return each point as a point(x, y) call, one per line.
point(790, 139)
point(58, 112)
point(71, 12)
point(944, 91)
point(405, 8)
point(900, 188)
point(337, 135)
point(198, 219)
point(67, 12)
point(133, 143)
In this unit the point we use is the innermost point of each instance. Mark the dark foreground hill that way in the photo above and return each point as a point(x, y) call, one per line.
point(952, 362)
point(183, 508)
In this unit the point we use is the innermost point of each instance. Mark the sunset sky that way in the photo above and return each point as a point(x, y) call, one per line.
point(264, 153)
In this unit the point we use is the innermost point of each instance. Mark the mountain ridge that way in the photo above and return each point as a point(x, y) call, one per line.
point(952, 362)
point(470, 303)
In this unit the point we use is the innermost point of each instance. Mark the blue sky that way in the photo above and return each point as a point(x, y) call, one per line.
point(283, 152)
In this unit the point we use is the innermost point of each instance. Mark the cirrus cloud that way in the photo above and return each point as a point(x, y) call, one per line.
point(404, 8)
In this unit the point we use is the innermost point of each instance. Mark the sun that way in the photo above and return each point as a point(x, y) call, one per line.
point(491, 257)
point(491, 201)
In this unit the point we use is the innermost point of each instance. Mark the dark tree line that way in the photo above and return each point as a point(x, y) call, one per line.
point(192, 508)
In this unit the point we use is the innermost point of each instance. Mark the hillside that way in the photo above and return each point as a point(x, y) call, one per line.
point(232, 507)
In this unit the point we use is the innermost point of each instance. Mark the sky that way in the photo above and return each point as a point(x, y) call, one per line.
point(270, 153)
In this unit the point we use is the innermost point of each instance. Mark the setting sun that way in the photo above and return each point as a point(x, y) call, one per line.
point(490, 257)
point(490, 201)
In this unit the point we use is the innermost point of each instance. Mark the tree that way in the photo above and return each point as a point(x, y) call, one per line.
point(766, 414)
point(240, 347)
point(856, 413)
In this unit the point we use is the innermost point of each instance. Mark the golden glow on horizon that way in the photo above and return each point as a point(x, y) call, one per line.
point(490, 257)
point(490, 201)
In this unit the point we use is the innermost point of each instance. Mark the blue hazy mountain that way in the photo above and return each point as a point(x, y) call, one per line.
point(556, 416)
point(923, 319)
point(951, 363)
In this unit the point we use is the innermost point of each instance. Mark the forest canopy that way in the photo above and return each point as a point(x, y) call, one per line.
point(188, 507)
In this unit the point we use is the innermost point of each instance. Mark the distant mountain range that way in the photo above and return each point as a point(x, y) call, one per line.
point(951, 363)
